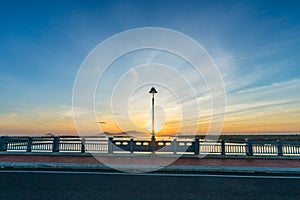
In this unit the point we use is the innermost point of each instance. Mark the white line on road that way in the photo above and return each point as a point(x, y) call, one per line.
point(153, 174)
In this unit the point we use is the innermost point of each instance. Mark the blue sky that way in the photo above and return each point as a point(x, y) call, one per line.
point(255, 44)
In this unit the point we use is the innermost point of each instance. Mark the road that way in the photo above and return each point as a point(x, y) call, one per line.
point(110, 185)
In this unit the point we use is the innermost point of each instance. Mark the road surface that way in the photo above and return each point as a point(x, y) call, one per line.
point(111, 185)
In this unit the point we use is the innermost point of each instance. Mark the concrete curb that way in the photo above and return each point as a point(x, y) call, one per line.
point(151, 155)
point(142, 168)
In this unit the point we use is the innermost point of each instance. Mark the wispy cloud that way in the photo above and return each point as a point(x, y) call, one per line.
point(276, 103)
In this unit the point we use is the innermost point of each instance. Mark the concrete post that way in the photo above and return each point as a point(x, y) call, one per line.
point(83, 145)
point(174, 144)
point(223, 148)
point(153, 145)
point(197, 146)
point(249, 147)
point(29, 144)
point(5, 143)
point(131, 143)
point(279, 147)
point(110, 145)
point(55, 146)
point(1, 143)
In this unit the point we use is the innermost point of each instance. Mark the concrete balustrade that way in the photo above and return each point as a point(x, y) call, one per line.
point(130, 145)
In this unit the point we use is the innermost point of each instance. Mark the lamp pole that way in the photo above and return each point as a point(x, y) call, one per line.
point(153, 91)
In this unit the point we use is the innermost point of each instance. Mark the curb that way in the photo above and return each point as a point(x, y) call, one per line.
point(142, 168)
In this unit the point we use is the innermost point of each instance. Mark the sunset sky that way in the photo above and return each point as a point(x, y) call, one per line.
point(254, 44)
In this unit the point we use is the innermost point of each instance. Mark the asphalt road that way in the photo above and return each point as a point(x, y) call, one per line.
point(81, 185)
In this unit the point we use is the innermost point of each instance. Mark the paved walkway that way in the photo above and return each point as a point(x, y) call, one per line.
point(151, 160)
point(258, 162)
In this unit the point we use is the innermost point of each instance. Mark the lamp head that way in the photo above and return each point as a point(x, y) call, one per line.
point(152, 90)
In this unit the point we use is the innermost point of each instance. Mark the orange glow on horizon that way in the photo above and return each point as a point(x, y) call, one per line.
point(284, 122)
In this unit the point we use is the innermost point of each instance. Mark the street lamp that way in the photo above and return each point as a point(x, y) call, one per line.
point(153, 91)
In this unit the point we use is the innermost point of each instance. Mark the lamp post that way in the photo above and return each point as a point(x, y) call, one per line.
point(153, 91)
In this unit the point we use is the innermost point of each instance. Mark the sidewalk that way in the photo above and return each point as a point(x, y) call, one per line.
point(127, 162)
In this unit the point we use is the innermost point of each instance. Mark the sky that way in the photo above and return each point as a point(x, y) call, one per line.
point(254, 44)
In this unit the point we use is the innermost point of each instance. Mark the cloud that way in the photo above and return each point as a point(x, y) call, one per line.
point(291, 85)
point(275, 104)
point(8, 116)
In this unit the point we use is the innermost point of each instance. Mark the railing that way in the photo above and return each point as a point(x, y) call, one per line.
point(171, 146)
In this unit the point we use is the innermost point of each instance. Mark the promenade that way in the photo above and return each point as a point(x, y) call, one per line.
point(145, 156)
point(127, 162)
